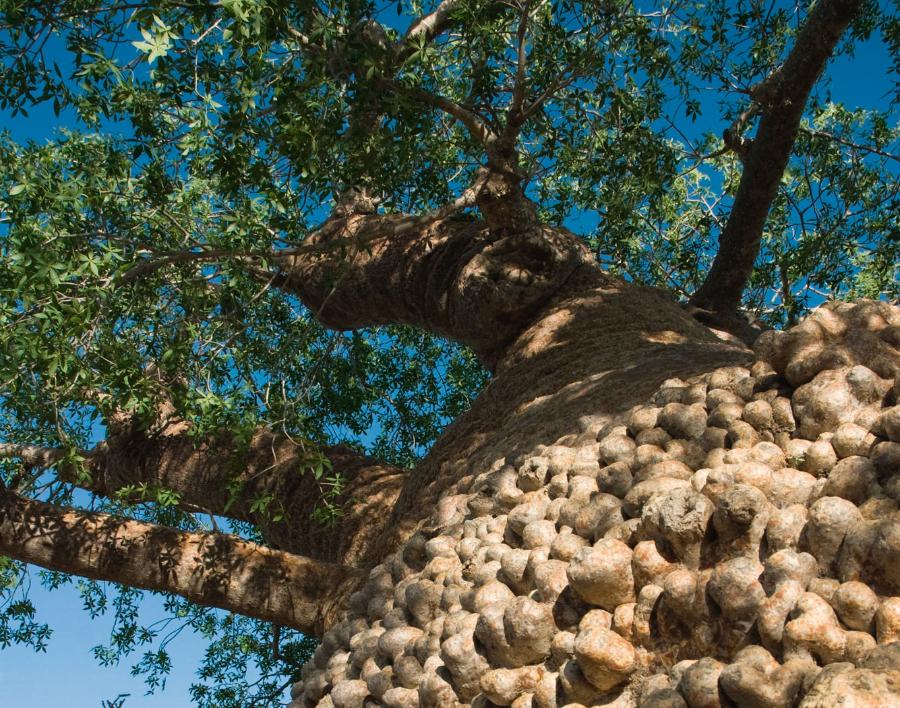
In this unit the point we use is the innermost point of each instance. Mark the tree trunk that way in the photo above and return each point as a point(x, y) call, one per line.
point(600, 346)
point(637, 511)
point(622, 497)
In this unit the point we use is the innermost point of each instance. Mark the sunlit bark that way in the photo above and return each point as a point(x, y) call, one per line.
point(213, 569)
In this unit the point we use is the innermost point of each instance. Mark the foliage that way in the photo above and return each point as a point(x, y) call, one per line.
point(17, 623)
point(200, 135)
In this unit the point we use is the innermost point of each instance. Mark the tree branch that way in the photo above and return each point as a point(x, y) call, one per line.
point(219, 476)
point(473, 122)
point(561, 83)
point(268, 479)
point(518, 93)
point(733, 136)
point(146, 267)
point(32, 455)
point(454, 277)
point(434, 23)
point(824, 135)
point(780, 98)
point(217, 570)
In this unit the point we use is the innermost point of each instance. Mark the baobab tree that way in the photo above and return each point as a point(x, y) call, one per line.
point(283, 232)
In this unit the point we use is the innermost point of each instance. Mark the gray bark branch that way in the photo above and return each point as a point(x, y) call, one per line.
point(780, 98)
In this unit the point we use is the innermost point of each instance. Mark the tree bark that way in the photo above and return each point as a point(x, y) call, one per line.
point(439, 596)
point(781, 98)
point(211, 569)
point(571, 348)
point(454, 277)
point(599, 346)
point(216, 477)
point(551, 550)
point(422, 552)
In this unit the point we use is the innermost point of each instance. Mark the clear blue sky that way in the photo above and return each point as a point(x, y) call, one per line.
point(67, 675)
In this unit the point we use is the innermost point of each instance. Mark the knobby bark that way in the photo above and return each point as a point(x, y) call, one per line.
point(211, 569)
point(580, 572)
point(780, 99)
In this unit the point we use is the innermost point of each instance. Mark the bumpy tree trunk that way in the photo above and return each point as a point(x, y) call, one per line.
point(640, 511)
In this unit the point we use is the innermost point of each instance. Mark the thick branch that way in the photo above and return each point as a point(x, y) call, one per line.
point(211, 569)
point(217, 476)
point(31, 455)
point(781, 99)
point(431, 25)
point(453, 277)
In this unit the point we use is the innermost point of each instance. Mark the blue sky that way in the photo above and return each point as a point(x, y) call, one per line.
point(67, 673)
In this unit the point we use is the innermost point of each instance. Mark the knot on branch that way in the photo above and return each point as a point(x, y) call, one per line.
point(733, 134)
point(503, 203)
point(737, 143)
point(503, 285)
point(770, 91)
point(355, 201)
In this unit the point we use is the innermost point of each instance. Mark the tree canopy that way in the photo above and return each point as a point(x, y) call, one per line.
point(203, 145)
